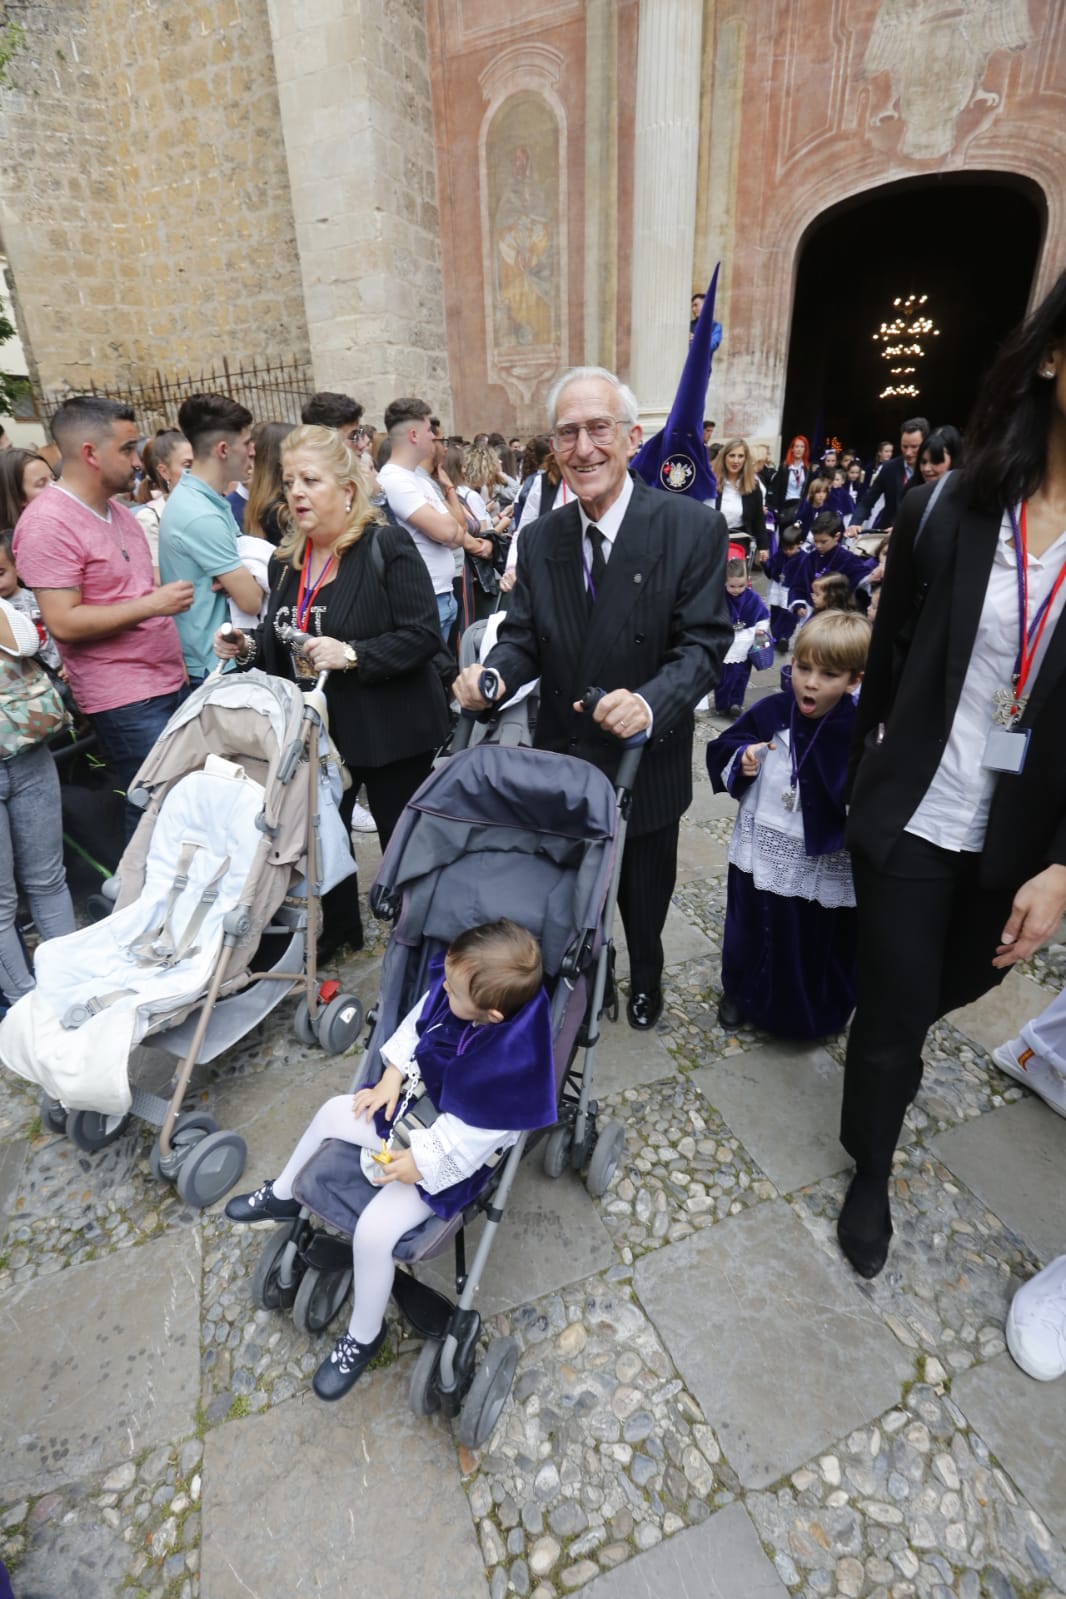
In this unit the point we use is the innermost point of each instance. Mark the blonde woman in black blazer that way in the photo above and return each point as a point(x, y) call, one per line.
point(960, 863)
point(373, 623)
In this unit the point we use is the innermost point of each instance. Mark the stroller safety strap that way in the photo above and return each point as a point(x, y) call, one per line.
point(157, 946)
point(77, 1015)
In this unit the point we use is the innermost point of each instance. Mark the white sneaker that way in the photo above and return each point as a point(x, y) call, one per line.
point(1036, 1323)
point(362, 821)
point(1038, 1074)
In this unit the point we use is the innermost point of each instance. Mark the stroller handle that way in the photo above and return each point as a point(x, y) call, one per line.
point(489, 688)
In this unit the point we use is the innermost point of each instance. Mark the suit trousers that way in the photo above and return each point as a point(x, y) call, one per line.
point(927, 934)
point(649, 867)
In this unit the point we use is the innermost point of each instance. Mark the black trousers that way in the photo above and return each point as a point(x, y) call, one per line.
point(649, 867)
point(927, 934)
point(388, 788)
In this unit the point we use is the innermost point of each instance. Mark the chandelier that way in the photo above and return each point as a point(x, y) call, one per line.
point(902, 345)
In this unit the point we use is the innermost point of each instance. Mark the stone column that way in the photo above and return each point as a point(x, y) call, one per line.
point(358, 124)
point(601, 182)
point(664, 198)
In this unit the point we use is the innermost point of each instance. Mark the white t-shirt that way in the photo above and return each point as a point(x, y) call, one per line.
point(406, 493)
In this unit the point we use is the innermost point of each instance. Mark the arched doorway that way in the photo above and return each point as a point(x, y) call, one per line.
point(969, 242)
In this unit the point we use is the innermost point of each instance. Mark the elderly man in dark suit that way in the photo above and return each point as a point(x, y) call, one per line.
point(623, 590)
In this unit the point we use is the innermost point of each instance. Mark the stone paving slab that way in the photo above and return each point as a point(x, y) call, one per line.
point(271, 1112)
point(354, 1497)
point(1023, 1422)
point(1014, 1159)
point(779, 1348)
point(999, 1014)
point(12, 1161)
point(721, 1559)
point(99, 1362)
point(783, 1103)
point(551, 1235)
point(699, 855)
point(625, 1057)
point(707, 806)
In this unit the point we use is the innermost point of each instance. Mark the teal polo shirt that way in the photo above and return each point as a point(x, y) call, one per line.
point(197, 543)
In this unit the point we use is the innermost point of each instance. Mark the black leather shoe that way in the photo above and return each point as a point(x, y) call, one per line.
point(644, 1010)
point(729, 1013)
point(263, 1205)
point(865, 1225)
point(344, 1365)
point(333, 941)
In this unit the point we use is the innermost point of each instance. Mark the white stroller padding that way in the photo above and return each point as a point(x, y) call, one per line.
point(102, 989)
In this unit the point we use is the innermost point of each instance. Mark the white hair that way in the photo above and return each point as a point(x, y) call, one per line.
point(627, 400)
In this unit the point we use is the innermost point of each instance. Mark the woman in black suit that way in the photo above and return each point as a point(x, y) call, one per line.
point(373, 623)
point(958, 811)
point(739, 496)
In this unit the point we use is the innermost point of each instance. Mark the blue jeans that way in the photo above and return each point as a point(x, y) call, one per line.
point(447, 611)
point(127, 734)
point(31, 853)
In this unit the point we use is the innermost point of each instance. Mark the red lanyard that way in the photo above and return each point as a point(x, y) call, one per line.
point(304, 601)
point(1029, 633)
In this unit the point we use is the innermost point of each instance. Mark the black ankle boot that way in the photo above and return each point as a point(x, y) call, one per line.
point(865, 1225)
point(341, 923)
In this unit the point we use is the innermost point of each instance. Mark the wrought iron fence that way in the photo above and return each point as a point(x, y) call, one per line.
point(273, 391)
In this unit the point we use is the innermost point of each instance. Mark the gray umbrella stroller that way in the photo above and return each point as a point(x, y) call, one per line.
point(492, 832)
point(215, 918)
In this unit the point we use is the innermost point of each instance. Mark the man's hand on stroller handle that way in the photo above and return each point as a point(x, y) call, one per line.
point(619, 712)
point(468, 689)
point(384, 1095)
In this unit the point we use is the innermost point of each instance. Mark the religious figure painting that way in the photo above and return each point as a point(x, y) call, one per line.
point(523, 211)
point(937, 53)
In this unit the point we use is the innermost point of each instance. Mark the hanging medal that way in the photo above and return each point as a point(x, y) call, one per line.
point(790, 796)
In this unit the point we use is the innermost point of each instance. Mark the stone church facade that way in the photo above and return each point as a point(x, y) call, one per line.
point(460, 197)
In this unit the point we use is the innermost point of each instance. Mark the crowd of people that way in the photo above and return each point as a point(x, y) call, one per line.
point(900, 839)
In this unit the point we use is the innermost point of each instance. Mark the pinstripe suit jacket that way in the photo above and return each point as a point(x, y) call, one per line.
point(659, 627)
point(392, 705)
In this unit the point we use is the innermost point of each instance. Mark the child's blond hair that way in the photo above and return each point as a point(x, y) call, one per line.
point(837, 641)
point(501, 963)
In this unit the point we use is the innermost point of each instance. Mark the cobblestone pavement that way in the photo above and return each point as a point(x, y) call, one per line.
point(159, 1438)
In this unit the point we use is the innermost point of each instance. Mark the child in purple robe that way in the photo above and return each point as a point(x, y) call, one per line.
point(813, 503)
point(746, 610)
point(828, 555)
point(788, 952)
point(782, 616)
point(478, 1044)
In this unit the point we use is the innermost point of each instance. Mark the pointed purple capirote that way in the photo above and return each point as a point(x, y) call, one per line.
point(675, 459)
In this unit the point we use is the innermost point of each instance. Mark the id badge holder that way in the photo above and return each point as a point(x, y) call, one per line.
point(1006, 749)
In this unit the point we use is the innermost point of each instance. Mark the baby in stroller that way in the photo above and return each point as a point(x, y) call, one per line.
point(475, 1050)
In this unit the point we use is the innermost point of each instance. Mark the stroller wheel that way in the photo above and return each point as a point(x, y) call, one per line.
point(610, 1143)
point(488, 1393)
point(319, 1297)
point(99, 906)
point(556, 1157)
point(339, 1024)
point(302, 1025)
point(268, 1290)
point(53, 1114)
point(188, 1129)
point(91, 1131)
point(423, 1395)
point(210, 1169)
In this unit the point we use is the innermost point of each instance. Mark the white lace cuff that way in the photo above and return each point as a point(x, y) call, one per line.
point(450, 1151)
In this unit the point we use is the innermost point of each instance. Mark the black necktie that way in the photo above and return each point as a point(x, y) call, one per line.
point(599, 564)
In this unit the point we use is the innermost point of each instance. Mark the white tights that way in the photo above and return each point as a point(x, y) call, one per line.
point(393, 1211)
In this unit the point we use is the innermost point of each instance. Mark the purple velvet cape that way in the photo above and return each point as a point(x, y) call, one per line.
point(746, 609)
point(806, 567)
point(822, 775)
point(500, 1075)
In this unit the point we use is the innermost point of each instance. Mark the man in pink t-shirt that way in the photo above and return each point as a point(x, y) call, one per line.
point(87, 560)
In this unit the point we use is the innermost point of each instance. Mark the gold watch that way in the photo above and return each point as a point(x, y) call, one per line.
point(351, 658)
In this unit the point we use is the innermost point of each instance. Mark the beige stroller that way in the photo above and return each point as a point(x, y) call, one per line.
point(215, 922)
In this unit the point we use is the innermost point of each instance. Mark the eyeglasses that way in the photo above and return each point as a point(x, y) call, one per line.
point(600, 431)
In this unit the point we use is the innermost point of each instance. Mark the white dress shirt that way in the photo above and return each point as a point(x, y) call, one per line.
point(954, 809)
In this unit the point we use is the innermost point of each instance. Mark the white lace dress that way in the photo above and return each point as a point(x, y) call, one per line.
point(767, 840)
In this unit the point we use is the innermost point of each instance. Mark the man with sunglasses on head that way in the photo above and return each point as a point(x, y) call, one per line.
point(622, 589)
